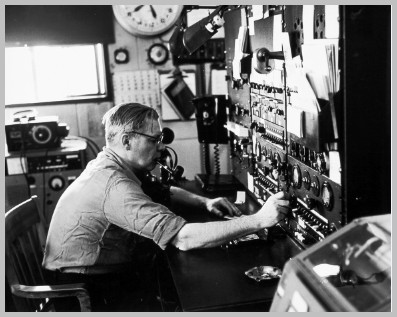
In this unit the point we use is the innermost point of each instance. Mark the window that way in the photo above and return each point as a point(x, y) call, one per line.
point(41, 74)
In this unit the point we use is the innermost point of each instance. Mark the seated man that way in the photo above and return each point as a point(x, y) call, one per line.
point(103, 220)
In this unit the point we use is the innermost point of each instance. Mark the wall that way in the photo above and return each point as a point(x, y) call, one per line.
point(84, 119)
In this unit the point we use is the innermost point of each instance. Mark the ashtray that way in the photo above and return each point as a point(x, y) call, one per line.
point(261, 273)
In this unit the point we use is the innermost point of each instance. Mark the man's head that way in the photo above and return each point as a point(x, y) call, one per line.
point(133, 131)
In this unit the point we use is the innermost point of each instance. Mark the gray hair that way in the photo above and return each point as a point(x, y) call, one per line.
point(127, 117)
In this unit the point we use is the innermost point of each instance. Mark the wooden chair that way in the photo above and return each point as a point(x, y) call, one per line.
point(24, 245)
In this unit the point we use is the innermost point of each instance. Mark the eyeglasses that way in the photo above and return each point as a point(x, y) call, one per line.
point(156, 139)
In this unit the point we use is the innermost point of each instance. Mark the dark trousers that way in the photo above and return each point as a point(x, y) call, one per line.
point(133, 289)
point(122, 291)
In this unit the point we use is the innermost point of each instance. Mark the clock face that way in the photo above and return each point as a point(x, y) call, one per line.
point(147, 20)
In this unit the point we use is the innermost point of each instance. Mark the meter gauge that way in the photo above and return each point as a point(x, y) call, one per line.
point(327, 196)
point(258, 151)
point(306, 179)
point(296, 176)
point(315, 185)
point(56, 183)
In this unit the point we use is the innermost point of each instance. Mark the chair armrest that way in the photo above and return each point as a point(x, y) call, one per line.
point(51, 291)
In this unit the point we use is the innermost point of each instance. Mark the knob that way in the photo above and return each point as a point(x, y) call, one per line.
point(310, 202)
point(254, 126)
point(279, 112)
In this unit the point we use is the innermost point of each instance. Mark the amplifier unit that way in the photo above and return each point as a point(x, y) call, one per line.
point(45, 173)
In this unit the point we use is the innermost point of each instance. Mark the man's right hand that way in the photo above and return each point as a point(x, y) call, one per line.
point(275, 209)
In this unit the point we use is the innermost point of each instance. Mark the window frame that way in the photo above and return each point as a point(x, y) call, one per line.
point(80, 100)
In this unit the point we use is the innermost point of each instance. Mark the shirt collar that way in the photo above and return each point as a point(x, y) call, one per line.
point(109, 153)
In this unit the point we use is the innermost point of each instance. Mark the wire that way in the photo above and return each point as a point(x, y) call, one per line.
point(206, 155)
point(216, 159)
point(44, 190)
point(22, 155)
point(175, 155)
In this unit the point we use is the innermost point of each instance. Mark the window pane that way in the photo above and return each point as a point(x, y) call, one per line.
point(54, 73)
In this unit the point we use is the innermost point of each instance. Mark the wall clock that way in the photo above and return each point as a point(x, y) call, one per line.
point(147, 20)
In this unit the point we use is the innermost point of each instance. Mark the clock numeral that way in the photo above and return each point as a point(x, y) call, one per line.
point(162, 20)
point(170, 10)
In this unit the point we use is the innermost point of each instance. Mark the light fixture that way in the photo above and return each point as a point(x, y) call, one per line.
point(196, 35)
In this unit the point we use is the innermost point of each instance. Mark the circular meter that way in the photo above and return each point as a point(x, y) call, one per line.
point(296, 176)
point(56, 183)
point(327, 196)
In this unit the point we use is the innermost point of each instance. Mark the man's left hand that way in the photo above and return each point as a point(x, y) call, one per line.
point(221, 206)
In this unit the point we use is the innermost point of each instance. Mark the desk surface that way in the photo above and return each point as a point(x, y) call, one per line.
point(213, 279)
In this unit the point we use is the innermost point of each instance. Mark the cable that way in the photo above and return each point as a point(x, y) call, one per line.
point(216, 159)
point(206, 155)
point(173, 165)
point(44, 190)
point(22, 155)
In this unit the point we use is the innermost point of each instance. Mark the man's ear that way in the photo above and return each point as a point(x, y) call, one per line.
point(125, 141)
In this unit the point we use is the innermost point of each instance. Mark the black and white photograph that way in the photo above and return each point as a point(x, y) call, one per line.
point(197, 158)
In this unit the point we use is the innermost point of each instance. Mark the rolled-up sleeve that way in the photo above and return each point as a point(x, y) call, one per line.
point(126, 206)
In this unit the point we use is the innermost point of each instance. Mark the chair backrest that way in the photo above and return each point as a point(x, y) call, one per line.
point(24, 244)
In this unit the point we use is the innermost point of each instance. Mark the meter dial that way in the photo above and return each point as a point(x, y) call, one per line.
point(296, 176)
point(306, 179)
point(327, 196)
point(57, 183)
point(315, 185)
point(258, 152)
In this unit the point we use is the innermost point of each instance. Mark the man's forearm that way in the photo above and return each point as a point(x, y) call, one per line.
point(185, 197)
point(211, 234)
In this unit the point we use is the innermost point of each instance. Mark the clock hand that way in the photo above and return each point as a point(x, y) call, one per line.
point(153, 12)
point(138, 8)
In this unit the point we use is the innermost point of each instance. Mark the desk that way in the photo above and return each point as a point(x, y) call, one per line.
point(213, 279)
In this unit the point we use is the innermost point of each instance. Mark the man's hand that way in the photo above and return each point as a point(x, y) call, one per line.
point(221, 206)
point(275, 209)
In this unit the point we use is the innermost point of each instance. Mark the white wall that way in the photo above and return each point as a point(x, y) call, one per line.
point(84, 119)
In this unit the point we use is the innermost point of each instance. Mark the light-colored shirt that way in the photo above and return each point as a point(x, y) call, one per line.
point(100, 217)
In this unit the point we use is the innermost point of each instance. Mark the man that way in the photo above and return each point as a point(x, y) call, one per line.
point(99, 221)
